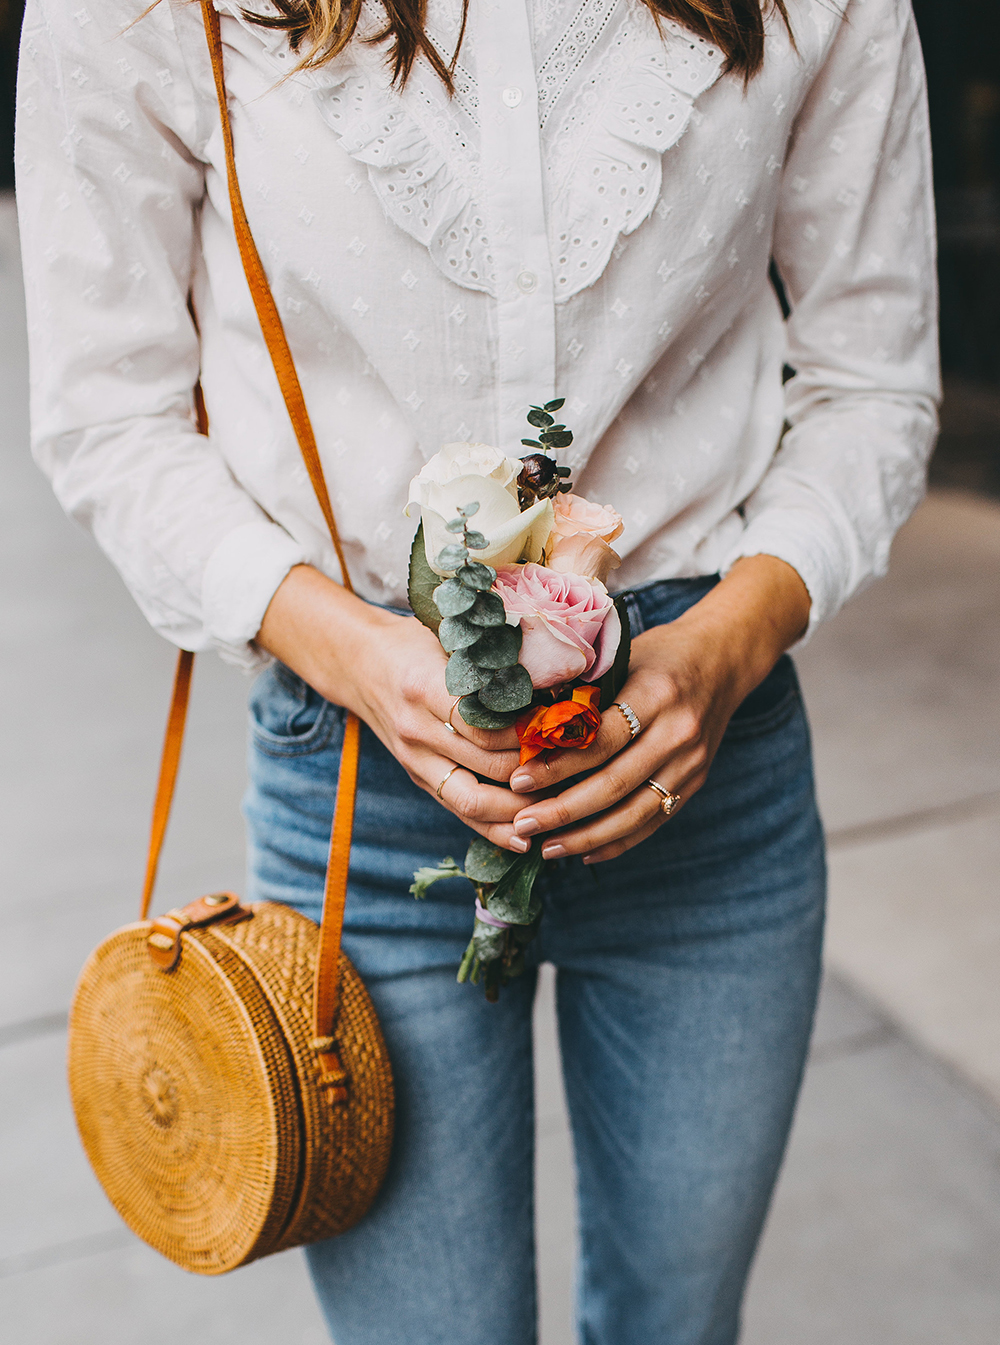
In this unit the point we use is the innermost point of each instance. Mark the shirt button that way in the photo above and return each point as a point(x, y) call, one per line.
point(527, 282)
point(512, 97)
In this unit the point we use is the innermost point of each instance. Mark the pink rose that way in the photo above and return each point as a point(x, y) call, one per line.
point(570, 626)
point(581, 554)
point(574, 514)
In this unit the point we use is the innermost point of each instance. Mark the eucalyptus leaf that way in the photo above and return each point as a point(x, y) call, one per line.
point(486, 862)
point(455, 524)
point(452, 598)
point(451, 557)
point(457, 633)
point(476, 714)
point(555, 405)
point(476, 575)
point(557, 439)
point(497, 647)
point(513, 899)
point(539, 418)
point(531, 443)
point(475, 541)
point(467, 510)
point(488, 610)
point(508, 690)
point(422, 584)
point(489, 941)
point(462, 677)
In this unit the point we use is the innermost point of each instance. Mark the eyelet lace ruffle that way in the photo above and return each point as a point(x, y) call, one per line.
point(604, 133)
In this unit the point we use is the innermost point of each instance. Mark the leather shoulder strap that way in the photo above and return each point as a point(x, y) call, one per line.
point(327, 978)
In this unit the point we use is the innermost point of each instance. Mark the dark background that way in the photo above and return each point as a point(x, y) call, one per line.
point(962, 50)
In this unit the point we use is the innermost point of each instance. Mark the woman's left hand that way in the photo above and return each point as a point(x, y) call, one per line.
point(685, 680)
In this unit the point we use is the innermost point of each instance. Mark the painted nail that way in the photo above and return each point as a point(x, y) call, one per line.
point(553, 850)
point(588, 859)
point(526, 826)
point(521, 782)
point(517, 844)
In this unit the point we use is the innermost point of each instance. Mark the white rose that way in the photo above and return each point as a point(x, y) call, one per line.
point(461, 473)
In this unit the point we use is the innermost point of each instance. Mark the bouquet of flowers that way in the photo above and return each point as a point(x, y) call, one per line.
point(509, 568)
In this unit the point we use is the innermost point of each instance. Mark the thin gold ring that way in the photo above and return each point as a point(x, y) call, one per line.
point(668, 801)
point(445, 781)
point(448, 724)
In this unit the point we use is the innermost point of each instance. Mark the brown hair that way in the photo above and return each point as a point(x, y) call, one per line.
point(319, 29)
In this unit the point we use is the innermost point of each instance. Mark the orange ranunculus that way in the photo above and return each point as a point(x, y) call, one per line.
point(572, 723)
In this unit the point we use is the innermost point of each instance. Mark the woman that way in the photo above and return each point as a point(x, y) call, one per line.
point(460, 218)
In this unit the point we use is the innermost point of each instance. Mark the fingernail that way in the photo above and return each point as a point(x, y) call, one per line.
point(517, 844)
point(520, 782)
point(526, 826)
point(553, 851)
point(588, 859)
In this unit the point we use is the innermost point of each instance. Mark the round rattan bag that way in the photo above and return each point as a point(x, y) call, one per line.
point(200, 1098)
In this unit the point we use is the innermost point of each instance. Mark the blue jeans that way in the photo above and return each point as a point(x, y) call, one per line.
point(687, 973)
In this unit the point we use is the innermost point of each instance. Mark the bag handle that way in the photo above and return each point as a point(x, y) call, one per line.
point(326, 989)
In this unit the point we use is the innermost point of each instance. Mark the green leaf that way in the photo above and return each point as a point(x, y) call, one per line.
point(486, 862)
point(539, 418)
point(462, 677)
point(531, 443)
point(467, 510)
point(423, 877)
point(452, 598)
point(564, 471)
point(457, 633)
point(474, 574)
point(475, 541)
point(488, 610)
point(489, 941)
point(422, 584)
point(455, 524)
point(476, 714)
point(617, 675)
point(497, 647)
point(557, 438)
point(508, 690)
point(556, 405)
point(451, 557)
point(513, 899)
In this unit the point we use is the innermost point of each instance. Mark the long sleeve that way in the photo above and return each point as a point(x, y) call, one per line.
point(110, 185)
point(854, 245)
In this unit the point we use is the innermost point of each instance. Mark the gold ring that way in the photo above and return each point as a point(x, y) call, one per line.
point(630, 717)
point(445, 781)
point(448, 724)
point(668, 801)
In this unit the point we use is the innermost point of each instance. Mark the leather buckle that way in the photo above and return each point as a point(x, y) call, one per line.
point(164, 939)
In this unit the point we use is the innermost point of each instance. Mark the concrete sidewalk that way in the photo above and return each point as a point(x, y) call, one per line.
point(886, 1226)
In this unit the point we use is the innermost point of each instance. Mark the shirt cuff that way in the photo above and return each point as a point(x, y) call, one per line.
point(794, 540)
point(241, 577)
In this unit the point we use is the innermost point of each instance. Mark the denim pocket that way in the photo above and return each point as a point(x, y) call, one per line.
point(769, 705)
point(287, 717)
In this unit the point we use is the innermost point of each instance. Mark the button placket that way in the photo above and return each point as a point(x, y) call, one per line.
point(513, 173)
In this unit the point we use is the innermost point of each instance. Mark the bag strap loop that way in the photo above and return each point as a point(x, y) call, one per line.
point(326, 991)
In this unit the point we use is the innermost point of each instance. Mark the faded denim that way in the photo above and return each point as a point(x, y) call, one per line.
point(687, 973)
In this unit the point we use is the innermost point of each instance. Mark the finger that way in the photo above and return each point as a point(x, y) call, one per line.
point(449, 711)
point(613, 735)
point(495, 764)
point(488, 809)
point(635, 813)
point(617, 779)
point(619, 847)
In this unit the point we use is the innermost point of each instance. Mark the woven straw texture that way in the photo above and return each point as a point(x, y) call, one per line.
point(196, 1091)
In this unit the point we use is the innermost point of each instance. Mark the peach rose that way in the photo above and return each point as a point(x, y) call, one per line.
point(570, 626)
point(574, 515)
point(582, 554)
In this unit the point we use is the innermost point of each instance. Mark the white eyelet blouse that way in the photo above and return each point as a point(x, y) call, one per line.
point(592, 216)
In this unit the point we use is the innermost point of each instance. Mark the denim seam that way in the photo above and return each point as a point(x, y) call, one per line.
point(300, 745)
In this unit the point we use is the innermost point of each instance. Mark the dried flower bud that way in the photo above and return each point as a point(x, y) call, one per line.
point(538, 479)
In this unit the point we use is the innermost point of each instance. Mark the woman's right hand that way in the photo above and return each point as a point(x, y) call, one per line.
point(389, 670)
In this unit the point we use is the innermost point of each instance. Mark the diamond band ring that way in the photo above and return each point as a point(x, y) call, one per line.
point(630, 716)
point(668, 801)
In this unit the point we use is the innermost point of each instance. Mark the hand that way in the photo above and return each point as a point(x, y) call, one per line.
point(389, 670)
point(685, 680)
